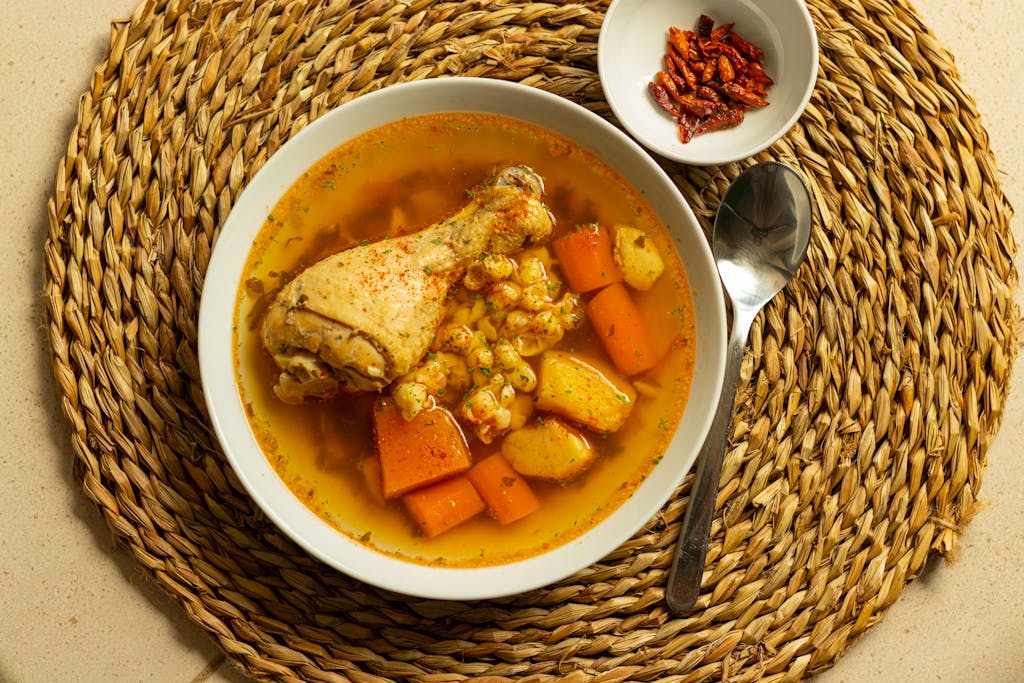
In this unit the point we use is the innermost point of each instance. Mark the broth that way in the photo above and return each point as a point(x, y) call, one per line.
point(400, 178)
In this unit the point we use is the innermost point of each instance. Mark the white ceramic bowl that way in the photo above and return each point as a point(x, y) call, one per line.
point(631, 48)
point(225, 272)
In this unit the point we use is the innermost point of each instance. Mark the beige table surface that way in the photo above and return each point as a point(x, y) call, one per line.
point(72, 608)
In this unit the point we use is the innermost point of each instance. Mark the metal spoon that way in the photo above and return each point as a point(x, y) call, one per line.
point(760, 237)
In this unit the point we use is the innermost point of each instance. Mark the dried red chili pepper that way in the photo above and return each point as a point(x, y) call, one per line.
point(677, 78)
point(704, 26)
point(663, 99)
point(723, 118)
point(750, 51)
point(696, 106)
point(687, 126)
point(710, 70)
point(679, 39)
point(708, 47)
point(706, 92)
point(726, 72)
point(721, 31)
point(755, 70)
point(680, 66)
point(732, 53)
point(712, 76)
point(666, 82)
point(743, 95)
point(755, 87)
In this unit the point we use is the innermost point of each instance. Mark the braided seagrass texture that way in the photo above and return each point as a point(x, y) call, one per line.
point(870, 389)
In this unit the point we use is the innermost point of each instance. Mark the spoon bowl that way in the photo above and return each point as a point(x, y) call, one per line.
point(761, 232)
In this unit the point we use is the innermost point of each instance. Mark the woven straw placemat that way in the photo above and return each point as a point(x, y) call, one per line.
point(870, 389)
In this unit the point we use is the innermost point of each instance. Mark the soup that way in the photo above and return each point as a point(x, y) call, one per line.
point(397, 180)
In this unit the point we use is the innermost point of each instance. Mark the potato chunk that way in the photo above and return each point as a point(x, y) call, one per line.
point(582, 392)
point(637, 257)
point(548, 449)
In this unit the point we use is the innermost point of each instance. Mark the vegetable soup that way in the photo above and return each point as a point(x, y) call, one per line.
point(555, 377)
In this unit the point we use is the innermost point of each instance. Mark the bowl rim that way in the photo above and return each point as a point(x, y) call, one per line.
point(224, 402)
point(688, 154)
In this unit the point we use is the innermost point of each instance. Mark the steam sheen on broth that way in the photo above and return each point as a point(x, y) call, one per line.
point(398, 179)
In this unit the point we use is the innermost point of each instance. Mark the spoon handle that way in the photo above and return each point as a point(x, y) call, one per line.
point(684, 580)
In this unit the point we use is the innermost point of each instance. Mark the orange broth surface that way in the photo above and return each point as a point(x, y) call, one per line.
point(400, 178)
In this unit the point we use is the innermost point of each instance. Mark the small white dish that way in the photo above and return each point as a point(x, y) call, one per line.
point(225, 272)
point(631, 49)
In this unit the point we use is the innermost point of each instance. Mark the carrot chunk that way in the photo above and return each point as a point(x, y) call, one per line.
point(418, 452)
point(441, 506)
point(621, 330)
point(506, 493)
point(585, 255)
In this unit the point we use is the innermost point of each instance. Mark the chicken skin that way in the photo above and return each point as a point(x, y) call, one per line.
point(359, 319)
